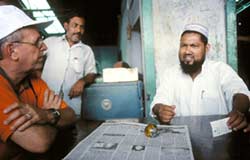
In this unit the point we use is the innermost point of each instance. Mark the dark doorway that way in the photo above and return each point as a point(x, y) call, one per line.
point(102, 18)
point(243, 34)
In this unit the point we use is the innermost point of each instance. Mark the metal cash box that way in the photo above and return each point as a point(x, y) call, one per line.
point(102, 101)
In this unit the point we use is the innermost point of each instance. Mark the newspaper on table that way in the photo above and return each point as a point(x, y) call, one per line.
point(126, 141)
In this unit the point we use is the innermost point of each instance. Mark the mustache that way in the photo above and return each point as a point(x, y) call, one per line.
point(78, 33)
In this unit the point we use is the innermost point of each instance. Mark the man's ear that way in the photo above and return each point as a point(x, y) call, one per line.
point(11, 51)
point(66, 26)
point(208, 46)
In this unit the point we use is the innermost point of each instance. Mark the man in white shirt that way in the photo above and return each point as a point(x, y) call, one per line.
point(70, 64)
point(198, 86)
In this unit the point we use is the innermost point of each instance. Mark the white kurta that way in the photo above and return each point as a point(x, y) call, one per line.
point(211, 92)
point(65, 65)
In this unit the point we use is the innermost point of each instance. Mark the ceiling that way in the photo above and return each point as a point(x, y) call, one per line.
point(103, 22)
point(102, 17)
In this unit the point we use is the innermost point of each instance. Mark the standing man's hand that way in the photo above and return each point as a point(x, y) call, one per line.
point(165, 113)
point(77, 89)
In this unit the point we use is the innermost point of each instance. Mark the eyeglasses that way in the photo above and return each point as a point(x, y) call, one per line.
point(38, 44)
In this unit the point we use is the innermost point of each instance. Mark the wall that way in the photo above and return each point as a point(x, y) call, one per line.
point(130, 39)
point(105, 57)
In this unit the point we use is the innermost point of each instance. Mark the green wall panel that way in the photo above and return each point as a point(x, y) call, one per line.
point(105, 57)
point(148, 52)
point(231, 35)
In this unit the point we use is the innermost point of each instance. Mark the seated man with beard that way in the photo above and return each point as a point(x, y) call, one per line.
point(198, 86)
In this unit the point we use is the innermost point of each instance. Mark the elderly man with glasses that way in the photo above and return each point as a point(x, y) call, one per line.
point(30, 114)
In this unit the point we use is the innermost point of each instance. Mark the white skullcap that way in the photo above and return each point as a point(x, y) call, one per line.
point(197, 28)
point(12, 19)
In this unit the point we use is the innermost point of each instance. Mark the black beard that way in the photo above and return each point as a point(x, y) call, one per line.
point(189, 69)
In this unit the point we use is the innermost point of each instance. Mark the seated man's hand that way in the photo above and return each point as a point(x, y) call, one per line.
point(51, 100)
point(23, 115)
point(165, 113)
point(77, 89)
point(237, 120)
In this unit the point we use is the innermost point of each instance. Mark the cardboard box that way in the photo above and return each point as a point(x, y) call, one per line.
point(120, 74)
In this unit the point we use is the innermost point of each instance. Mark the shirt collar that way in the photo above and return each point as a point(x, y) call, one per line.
point(204, 65)
point(63, 38)
point(204, 68)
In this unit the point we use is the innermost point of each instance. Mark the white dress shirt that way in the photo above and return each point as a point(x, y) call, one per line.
point(210, 93)
point(65, 65)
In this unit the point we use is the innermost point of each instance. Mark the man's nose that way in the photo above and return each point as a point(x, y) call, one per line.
point(188, 50)
point(78, 29)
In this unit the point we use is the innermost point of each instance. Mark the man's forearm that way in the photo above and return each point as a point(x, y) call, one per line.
point(36, 139)
point(39, 137)
point(89, 78)
point(67, 117)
